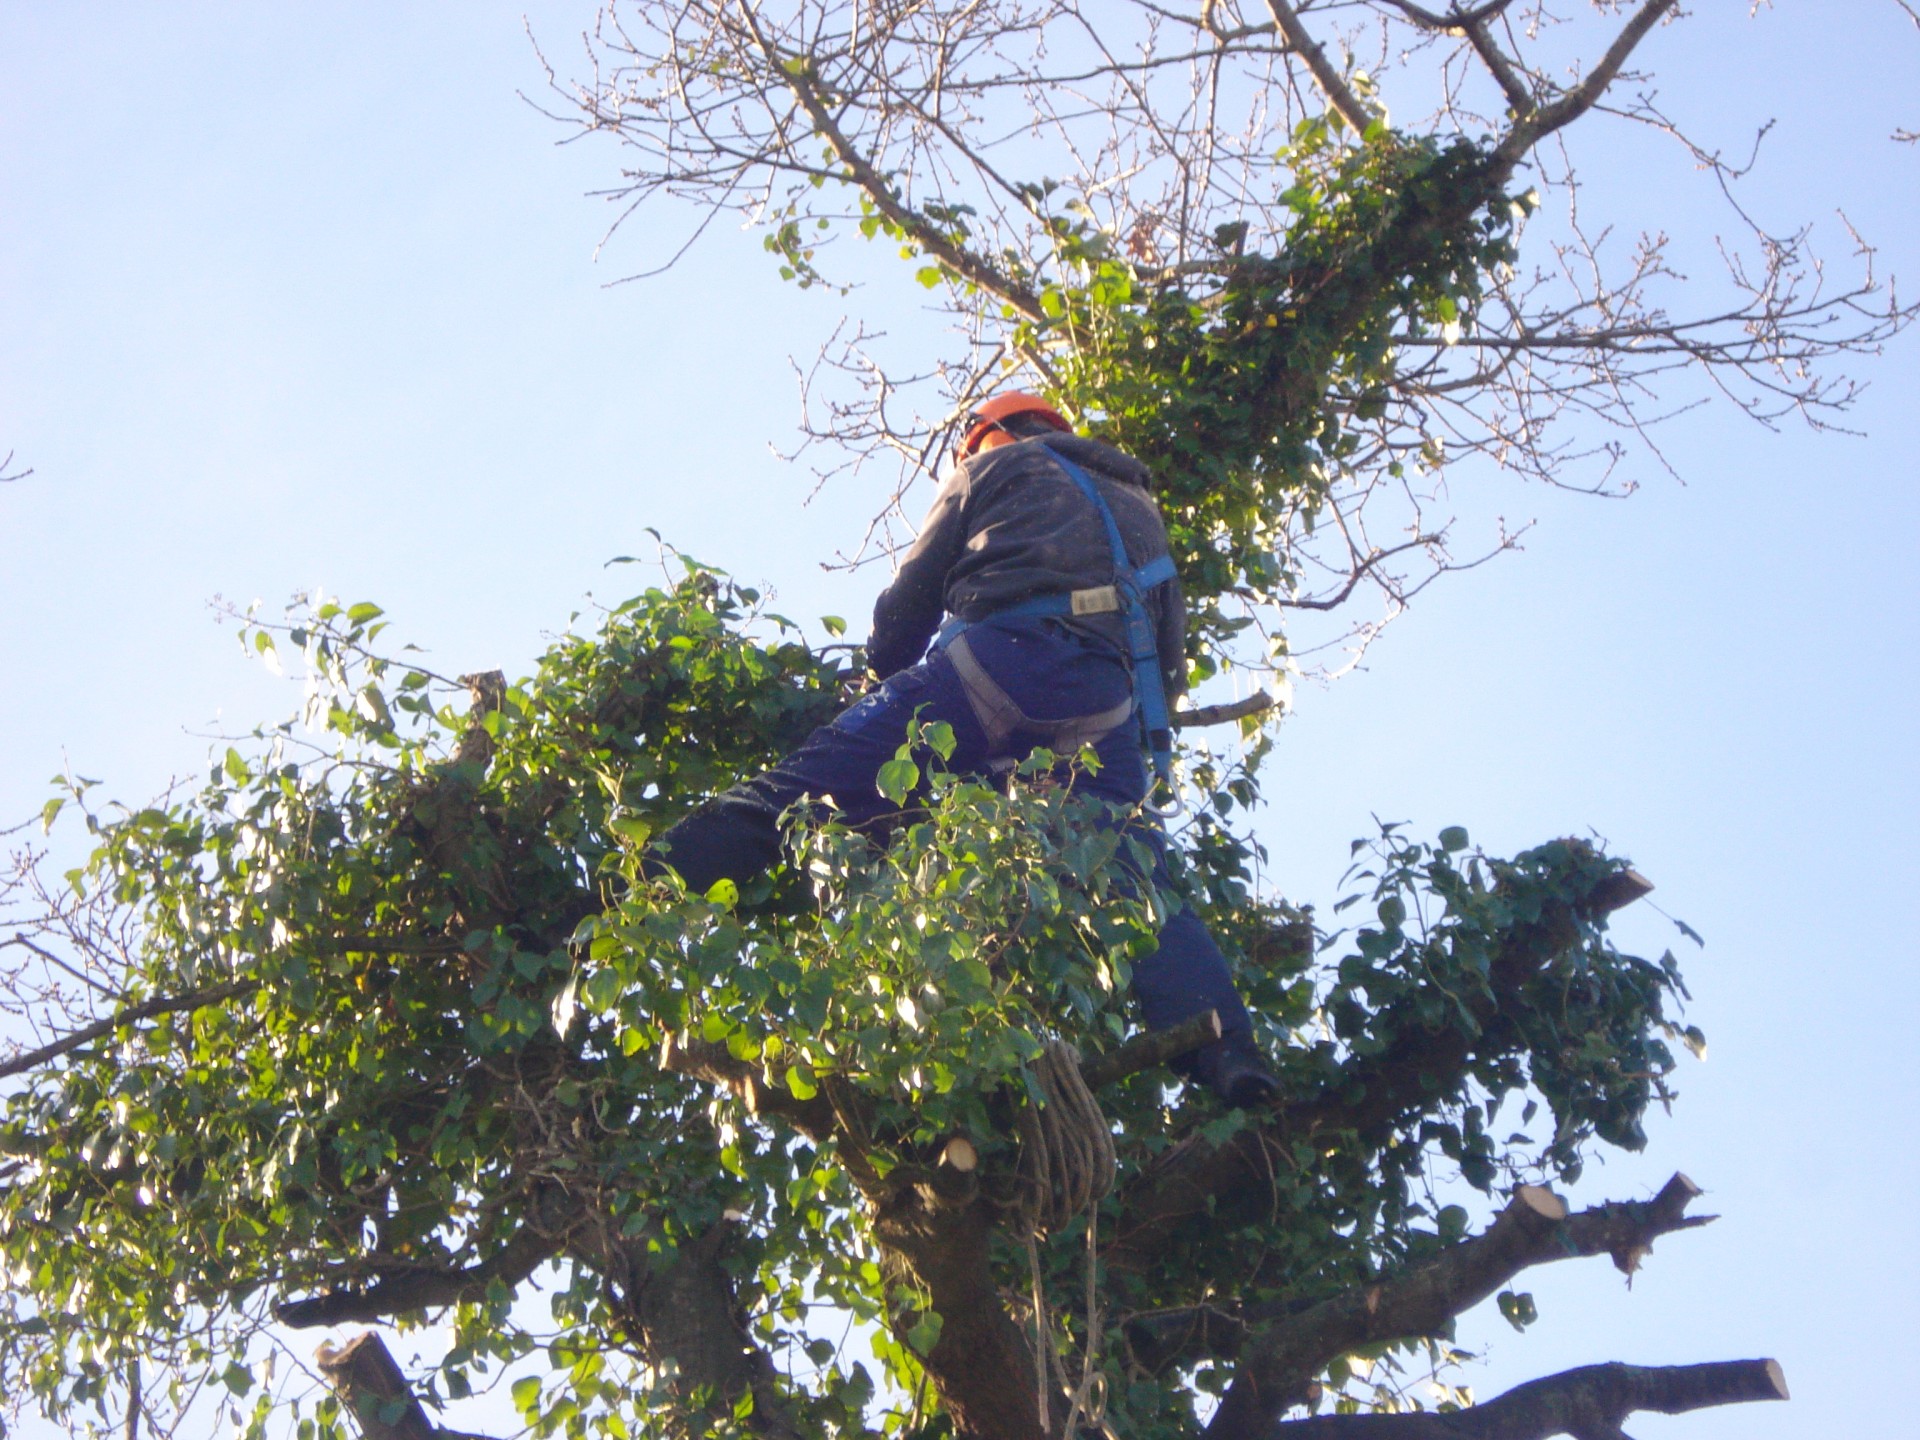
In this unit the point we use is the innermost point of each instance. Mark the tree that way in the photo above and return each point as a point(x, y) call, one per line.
point(387, 1025)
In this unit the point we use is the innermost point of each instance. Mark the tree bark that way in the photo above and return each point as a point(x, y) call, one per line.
point(686, 1310)
point(982, 1366)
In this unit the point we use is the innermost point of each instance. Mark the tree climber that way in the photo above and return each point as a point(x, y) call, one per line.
point(1067, 629)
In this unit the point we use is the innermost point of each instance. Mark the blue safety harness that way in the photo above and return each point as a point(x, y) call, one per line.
point(1129, 597)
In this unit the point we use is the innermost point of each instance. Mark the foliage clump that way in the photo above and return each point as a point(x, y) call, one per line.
point(402, 1027)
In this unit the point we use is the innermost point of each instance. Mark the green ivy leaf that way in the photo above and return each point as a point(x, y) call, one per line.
point(526, 1395)
point(1518, 1308)
point(925, 1332)
point(898, 779)
point(940, 738)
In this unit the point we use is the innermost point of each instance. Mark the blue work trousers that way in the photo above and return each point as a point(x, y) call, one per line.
point(1051, 673)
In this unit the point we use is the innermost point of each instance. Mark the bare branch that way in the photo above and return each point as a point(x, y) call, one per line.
point(47, 956)
point(1535, 126)
point(1257, 703)
point(1333, 85)
point(146, 1010)
point(797, 71)
point(1519, 97)
point(1162, 124)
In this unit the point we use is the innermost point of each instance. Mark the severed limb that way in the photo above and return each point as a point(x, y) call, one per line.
point(1257, 703)
point(1589, 1403)
point(364, 1373)
point(1154, 1047)
point(1278, 1361)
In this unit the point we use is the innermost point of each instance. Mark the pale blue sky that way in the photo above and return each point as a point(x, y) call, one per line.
point(301, 295)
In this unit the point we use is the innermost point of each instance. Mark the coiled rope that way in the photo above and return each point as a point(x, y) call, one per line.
point(1066, 1149)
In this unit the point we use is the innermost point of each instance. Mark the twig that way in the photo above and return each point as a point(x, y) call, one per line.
point(1156, 1047)
point(1257, 703)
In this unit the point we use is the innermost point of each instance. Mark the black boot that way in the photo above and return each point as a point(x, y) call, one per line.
point(1236, 1071)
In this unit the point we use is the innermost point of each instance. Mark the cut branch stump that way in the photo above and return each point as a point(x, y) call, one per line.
point(365, 1375)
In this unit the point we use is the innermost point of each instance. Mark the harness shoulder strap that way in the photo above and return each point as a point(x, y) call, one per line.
point(1150, 693)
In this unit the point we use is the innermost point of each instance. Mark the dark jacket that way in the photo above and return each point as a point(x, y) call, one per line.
point(1008, 524)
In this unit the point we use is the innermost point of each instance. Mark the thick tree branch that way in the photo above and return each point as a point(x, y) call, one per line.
point(934, 1227)
point(982, 1365)
point(1279, 1361)
point(1590, 1403)
point(716, 1065)
point(682, 1304)
point(1455, 21)
point(423, 1289)
point(934, 1230)
point(1154, 1047)
point(1519, 97)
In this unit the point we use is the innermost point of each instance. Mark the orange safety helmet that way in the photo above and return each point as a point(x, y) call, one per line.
point(986, 416)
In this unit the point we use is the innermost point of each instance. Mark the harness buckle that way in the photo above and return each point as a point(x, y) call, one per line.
point(1099, 600)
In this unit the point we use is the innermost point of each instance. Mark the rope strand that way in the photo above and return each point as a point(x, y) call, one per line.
point(1067, 1166)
